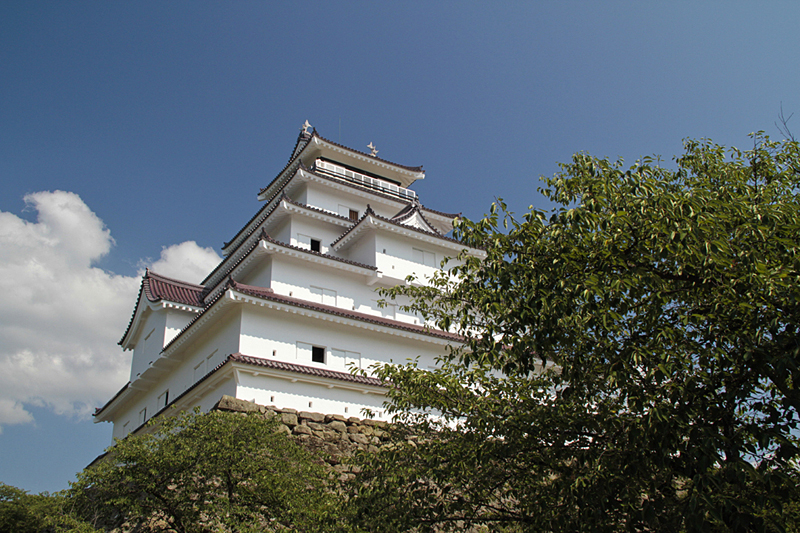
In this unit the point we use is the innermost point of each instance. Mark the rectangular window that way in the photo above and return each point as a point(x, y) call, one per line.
point(303, 352)
point(318, 354)
point(209, 361)
point(323, 295)
point(309, 243)
point(125, 428)
point(143, 416)
point(163, 400)
point(309, 353)
point(350, 359)
point(349, 212)
point(303, 241)
point(424, 257)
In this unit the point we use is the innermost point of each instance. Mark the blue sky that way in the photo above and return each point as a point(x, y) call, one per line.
point(160, 121)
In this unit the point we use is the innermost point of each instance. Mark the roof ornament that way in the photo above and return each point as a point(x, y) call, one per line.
point(373, 149)
point(304, 127)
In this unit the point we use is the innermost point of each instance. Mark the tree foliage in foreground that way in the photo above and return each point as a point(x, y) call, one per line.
point(212, 472)
point(21, 512)
point(630, 359)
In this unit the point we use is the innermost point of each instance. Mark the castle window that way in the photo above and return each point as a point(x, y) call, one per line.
point(349, 212)
point(318, 354)
point(163, 399)
point(307, 353)
point(323, 295)
point(309, 243)
point(350, 359)
point(424, 257)
point(143, 416)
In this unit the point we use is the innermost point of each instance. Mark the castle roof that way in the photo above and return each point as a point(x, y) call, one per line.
point(156, 288)
point(240, 358)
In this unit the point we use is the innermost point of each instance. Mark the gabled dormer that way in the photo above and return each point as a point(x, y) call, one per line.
point(164, 307)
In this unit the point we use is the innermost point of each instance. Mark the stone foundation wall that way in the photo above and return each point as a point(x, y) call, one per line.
point(335, 436)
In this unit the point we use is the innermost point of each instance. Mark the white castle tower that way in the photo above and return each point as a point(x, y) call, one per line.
point(292, 307)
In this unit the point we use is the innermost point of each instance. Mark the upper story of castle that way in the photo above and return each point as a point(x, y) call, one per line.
point(334, 224)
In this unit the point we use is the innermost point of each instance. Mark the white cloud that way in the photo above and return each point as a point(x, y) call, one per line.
point(61, 317)
point(186, 261)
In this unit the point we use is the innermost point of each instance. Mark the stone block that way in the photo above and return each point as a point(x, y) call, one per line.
point(229, 403)
point(301, 430)
point(314, 417)
point(359, 438)
point(338, 425)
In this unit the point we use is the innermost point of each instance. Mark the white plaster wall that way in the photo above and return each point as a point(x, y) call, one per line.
point(295, 277)
point(272, 331)
point(299, 194)
point(282, 393)
point(176, 320)
point(211, 349)
point(131, 415)
point(282, 231)
point(363, 250)
point(395, 256)
point(325, 197)
point(325, 232)
point(149, 341)
point(259, 274)
point(219, 341)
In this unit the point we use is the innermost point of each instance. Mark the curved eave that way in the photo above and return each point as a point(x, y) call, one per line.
point(265, 298)
point(320, 147)
point(266, 246)
point(282, 206)
point(294, 372)
point(296, 172)
point(239, 362)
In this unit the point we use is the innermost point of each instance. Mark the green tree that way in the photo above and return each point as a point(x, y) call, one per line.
point(21, 512)
point(630, 359)
point(208, 472)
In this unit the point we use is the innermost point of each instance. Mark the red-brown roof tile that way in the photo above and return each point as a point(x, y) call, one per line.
point(268, 294)
point(156, 287)
point(307, 370)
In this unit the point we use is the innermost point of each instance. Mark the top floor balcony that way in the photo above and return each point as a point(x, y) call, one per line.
point(337, 171)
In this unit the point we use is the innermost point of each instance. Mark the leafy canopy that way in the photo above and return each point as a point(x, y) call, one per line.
point(630, 359)
point(211, 472)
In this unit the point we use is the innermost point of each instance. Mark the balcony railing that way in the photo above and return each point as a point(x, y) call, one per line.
point(326, 167)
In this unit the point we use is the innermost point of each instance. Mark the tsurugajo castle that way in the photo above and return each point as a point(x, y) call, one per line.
point(292, 307)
